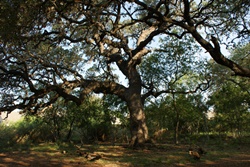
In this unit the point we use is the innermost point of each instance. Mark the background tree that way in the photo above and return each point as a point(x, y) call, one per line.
point(86, 123)
point(231, 106)
point(229, 96)
point(180, 115)
point(47, 49)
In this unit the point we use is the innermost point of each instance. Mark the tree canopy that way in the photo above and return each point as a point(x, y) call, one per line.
point(54, 48)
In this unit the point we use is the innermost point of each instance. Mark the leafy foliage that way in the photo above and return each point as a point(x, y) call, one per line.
point(188, 110)
point(230, 98)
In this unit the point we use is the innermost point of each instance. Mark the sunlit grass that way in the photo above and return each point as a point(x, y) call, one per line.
point(159, 155)
point(45, 147)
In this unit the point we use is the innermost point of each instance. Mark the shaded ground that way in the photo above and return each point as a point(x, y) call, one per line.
point(119, 156)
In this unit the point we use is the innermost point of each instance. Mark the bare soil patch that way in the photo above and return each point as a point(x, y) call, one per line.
point(120, 156)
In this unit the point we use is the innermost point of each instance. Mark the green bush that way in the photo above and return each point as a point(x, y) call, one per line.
point(26, 131)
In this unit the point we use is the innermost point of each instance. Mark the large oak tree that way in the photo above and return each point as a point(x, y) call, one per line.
point(46, 47)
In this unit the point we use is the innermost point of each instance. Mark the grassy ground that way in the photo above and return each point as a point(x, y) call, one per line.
point(64, 155)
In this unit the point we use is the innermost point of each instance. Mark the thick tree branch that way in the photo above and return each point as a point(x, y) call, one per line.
point(215, 52)
point(106, 87)
point(200, 87)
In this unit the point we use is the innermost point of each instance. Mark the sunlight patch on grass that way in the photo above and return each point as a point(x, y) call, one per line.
point(45, 147)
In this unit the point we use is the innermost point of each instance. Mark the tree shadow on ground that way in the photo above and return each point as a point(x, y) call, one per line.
point(120, 156)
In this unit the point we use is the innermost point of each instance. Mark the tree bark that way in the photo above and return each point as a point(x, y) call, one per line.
point(177, 122)
point(138, 127)
point(176, 132)
point(70, 130)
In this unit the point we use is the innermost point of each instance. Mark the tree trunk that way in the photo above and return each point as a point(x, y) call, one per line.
point(177, 122)
point(70, 130)
point(138, 127)
point(206, 128)
point(176, 132)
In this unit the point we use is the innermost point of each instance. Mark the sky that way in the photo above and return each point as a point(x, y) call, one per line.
point(12, 117)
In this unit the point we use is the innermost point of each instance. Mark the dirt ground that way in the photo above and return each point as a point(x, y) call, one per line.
point(118, 156)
